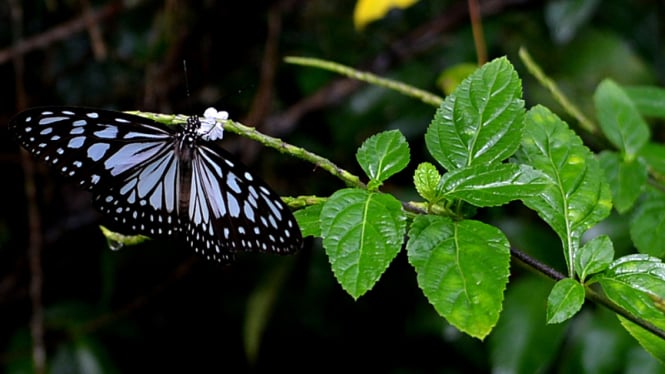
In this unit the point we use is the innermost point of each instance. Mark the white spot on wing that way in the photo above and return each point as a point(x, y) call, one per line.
point(249, 211)
point(97, 151)
point(49, 120)
point(109, 132)
point(234, 208)
point(232, 182)
point(76, 142)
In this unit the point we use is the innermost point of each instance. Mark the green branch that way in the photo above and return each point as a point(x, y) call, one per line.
point(591, 294)
point(404, 89)
point(348, 178)
point(558, 95)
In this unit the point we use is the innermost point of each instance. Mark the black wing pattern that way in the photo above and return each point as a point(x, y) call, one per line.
point(161, 181)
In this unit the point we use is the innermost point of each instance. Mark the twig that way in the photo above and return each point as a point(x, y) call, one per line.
point(58, 33)
point(535, 264)
point(35, 238)
point(477, 28)
point(559, 96)
point(96, 39)
point(404, 89)
point(35, 264)
point(591, 294)
point(601, 299)
point(348, 178)
point(261, 102)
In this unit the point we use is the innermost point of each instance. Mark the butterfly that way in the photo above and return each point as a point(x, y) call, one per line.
point(162, 181)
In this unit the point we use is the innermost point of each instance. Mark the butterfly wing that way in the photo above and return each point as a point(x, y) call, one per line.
point(230, 210)
point(127, 161)
point(89, 146)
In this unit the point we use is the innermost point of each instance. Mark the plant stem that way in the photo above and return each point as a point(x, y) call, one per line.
point(536, 265)
point(591, 294)
point(559, 96)
point(478, 35)
point(599, 298)
point(348, 178)
point(405, 89)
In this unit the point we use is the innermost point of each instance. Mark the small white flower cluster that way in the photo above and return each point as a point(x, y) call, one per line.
point(212, 124)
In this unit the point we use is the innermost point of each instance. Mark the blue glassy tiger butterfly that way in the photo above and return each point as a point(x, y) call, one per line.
point(161, 180)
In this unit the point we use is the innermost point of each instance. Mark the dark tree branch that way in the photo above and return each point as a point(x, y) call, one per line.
point(62, 32)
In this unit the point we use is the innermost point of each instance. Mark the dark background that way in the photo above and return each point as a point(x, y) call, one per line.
point(157, 306)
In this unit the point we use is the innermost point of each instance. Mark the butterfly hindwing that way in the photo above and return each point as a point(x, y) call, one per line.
point(231, 210)
point(144, 199)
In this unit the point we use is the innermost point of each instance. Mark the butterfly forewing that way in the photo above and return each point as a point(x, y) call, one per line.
point(85, 144)
point(161, 181)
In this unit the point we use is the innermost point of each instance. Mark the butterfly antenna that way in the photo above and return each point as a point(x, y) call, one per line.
point(184, 69)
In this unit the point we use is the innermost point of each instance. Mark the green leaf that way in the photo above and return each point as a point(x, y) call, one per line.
point(565, 300)
point(647, 226)
point(650, 342)
point(383, 155)
point(462, 268)
point(640, 272)
point(492, 185)
point(309, 220)
point(578, 196)
point(594, 256)
point(426, 179)
point(648, 100)
point(481, 121)
point(654, 155)
point(452, 76)
point(362, 233)
point(619, 118)
point(626, 178)
point(637, 284)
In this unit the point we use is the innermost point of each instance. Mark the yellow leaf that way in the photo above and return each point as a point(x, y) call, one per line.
point(454, 75)
point(368, 11)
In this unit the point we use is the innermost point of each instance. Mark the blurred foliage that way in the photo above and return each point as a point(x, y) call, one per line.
point(157, 307)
